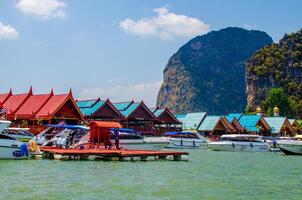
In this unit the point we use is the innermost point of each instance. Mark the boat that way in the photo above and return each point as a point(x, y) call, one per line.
point(21, 134)
point(239, 142)
point(186, 140)
point(10, 147)
point(61, 136)
point(291, 147)
point(132, 140)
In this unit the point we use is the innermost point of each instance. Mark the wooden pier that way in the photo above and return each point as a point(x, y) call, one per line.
point(111, 154)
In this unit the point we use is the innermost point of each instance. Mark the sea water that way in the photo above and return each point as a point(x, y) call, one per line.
point(207, 175)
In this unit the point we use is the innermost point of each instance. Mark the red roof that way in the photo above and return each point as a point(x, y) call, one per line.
point(54, 103)
point(4, 97)
point(32, 105)
point(15, 101)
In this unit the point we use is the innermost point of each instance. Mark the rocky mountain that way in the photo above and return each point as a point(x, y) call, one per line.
point(208, 72)
point(277, 66)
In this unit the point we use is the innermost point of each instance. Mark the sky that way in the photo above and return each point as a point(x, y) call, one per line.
point(117, 49)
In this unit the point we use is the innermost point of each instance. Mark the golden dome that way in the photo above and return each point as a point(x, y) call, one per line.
point(276, 109)
point(259, 110)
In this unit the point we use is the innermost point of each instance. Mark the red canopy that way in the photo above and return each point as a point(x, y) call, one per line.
point(100, 130)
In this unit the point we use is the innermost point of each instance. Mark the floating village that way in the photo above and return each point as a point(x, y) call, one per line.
point(57, 126)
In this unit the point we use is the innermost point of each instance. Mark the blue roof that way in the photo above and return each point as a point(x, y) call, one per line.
point(130, 109)
point(88, 111)
point(191, 121)
point(158, 112)
point(209, 123)
point(176, 133)
point(122, 106)
point(230, 118)
point(249, 122)
point(236, 115)
point(86, 103)
point(275, 123)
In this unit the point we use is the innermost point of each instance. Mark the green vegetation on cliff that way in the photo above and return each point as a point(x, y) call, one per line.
point(208, 73)
point(278, 65)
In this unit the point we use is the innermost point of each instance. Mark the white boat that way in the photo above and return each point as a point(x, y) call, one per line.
point(131, 140)
point(21, 134)
point(186, 140)
point(291, 147)
point(239, 142)
point(10, 147)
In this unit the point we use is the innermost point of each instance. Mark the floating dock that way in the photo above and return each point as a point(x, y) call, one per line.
point(111, 154)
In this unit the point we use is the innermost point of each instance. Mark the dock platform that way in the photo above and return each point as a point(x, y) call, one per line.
point(111, 154)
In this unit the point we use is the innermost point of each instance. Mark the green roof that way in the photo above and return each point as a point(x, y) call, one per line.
point(88, 111)
point(130, 109)
point(86, 103)
point(191, 121)
point(122, 106)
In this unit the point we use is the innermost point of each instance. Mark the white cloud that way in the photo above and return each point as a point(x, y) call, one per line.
point(165, 25)
point(8, 32)
point(44, 9)
point(142, 91)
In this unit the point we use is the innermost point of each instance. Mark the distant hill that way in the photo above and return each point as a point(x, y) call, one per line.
point(277, 65)
point(208, 72)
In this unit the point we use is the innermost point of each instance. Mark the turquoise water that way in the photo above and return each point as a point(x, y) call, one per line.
point(207, 175)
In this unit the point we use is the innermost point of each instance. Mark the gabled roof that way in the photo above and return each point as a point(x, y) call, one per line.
point(292, 121)
point(94, 106)
point(250, 122)
point(122, 106)
point(276, 123)
point(162, 114)
point(130, 109)
point(191, 121)
point(55, 103)
point(86, 103)
point(32, 105)
point(236, 115)
point(209, 123)
point(14, 102)
point(4, 97)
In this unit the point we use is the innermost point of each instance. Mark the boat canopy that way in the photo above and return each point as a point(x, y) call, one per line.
point(124, 130)
point(178, 133)
point(72, 127)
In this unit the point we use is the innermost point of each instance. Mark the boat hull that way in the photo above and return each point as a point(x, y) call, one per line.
point(7, 152)
point(143, 145)
point(291, 148)
point(187, 143)
point(239, 146)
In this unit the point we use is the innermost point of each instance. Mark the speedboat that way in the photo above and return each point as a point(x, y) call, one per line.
point(132, 140)
point(239, 142)
point(186, 140)
point(291, 147)
point(10, 147)
point(21, 134)
point(60, 136)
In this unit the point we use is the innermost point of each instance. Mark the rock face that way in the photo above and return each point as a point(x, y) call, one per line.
point(208, 73)
point(276, 65)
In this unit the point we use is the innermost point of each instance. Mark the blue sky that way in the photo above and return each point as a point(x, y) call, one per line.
point(117, 49)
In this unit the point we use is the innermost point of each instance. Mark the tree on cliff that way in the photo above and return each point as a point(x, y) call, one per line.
point(208, 73)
